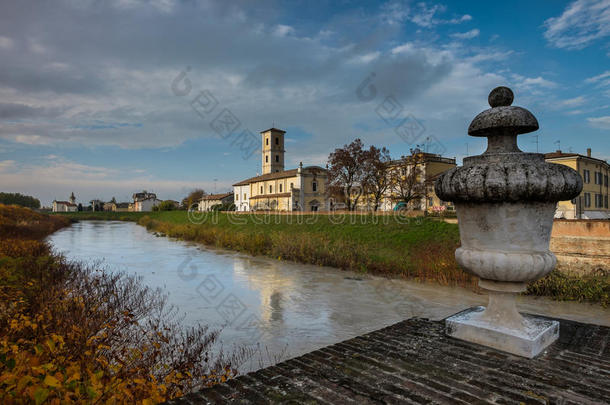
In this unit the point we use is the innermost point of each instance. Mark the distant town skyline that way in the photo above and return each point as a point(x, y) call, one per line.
point(105, 99)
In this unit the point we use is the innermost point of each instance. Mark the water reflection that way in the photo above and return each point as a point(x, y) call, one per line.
point(277, 304)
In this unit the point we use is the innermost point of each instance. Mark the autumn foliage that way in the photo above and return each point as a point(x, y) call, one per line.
point(70, 333)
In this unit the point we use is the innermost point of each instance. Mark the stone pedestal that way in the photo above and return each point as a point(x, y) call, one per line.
point(531, 339)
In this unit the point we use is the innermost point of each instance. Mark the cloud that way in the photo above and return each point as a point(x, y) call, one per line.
point(9, 111)
point(6, 43)
point(599, 77)
point(118, 93)
point(283, 30)
point(533, 83)
point(421, 14)
point(573, 102)
point(600, 122)
point(582, 22)
point(466, 35)
point(57, 178)
point(7, 165)
point(366, 58)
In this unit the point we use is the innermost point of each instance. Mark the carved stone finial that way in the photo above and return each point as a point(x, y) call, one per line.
point(501, 97)
point(502, 122)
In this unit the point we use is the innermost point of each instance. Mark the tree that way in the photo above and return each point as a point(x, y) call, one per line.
point(346, 171)
point(193, 198)
point(113, 200)
point(406, 180)
point(19, 199)
point(376, 179)
point(165, 206)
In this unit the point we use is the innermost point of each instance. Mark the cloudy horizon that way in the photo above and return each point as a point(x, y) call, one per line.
point(98, 97)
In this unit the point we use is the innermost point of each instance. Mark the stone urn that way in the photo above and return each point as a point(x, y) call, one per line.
point(505, 201)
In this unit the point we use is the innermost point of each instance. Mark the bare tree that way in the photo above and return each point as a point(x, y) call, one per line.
point(406, 180)
point(346, 171)
point(193, 198)
point(376, 177)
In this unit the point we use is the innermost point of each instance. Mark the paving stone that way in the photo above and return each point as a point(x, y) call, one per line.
point(414, 362)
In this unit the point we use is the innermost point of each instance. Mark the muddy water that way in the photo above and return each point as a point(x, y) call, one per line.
point(286, 308)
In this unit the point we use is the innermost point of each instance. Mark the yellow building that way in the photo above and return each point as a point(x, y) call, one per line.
point(276, 189)
point(592, 203)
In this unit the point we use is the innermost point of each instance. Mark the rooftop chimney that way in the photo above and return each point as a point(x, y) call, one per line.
point(588, 152)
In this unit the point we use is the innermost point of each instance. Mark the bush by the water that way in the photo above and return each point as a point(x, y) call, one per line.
point(72, 333)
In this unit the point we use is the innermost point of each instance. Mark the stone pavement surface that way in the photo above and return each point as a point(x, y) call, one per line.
point(415, 362)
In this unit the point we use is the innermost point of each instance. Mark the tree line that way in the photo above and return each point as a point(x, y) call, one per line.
point(19, 199)
point(356, 173)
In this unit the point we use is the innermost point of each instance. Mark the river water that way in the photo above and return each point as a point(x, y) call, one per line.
point(285, 308)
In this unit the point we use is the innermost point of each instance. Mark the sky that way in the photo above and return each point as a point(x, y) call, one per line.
point(107, 98)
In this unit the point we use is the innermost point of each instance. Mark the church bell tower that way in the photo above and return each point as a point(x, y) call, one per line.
point(273, 150)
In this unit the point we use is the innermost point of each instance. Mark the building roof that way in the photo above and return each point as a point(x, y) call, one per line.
point(274, 130)
point(277, 175)
point(560, 155)
point(215, 196)
point(268, 176)
point(424, 157)
point(144, 196)
point(274, 195)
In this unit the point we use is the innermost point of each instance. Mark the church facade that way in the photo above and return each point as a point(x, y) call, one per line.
point(276, 189)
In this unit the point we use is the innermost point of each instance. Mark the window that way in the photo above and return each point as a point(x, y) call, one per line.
point(606, 180)
point(598, 177)
point(236, 197)
point(266, 141)
point(606, 202)
point(277, 158)
point(587, 199)
point(244, 196)
point(280, 188)
point(270, 189)
point(277, 140)
point(262, 190)
point(586, 176)
point(599, 201)
point(266, 159)
point(314, 186)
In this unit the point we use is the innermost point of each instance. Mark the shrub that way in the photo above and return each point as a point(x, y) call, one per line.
point(72, 333)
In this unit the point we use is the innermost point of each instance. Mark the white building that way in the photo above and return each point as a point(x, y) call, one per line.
point(208, 202)
point(145, 201)
point(65, 206)
point(242, 197)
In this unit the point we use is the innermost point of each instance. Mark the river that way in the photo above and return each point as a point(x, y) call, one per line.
point(286, 308)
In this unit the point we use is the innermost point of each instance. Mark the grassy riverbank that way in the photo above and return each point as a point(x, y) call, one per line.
point(74, 334)
point(416, 248)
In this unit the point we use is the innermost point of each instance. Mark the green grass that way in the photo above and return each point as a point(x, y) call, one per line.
point(414, 248)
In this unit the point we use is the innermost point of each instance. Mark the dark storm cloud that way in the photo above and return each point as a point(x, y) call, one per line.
point(113, 61)
point(12, 111)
